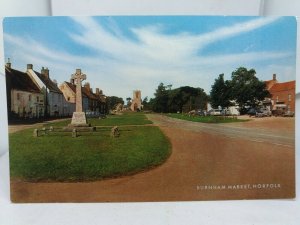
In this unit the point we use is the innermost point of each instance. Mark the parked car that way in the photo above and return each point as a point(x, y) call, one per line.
point(266, 112)
point(214, 112)
point(278, 112)
point(201, 113)
point(289, 114)
point(256, 112)
point(252, 112)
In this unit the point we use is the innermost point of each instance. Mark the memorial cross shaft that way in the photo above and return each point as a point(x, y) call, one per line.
point(78, 77)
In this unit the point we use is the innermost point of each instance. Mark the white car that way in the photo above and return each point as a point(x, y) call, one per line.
point(214, 112)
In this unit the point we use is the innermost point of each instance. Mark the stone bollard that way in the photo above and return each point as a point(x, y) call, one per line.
point(35, 133)
point(44, 130)
point(51, 128)
point(74, 133)
point(115, 132)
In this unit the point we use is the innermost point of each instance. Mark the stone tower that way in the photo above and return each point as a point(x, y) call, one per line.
point(136, 104)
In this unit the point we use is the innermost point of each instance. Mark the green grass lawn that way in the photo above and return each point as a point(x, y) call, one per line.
point(91, 156)
point(205, 119)
point(113, 120)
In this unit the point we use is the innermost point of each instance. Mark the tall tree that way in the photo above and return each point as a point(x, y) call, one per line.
point(112, 101)
point(220, 94)
point(246, 89)
point(160, 103)
point(128, 103)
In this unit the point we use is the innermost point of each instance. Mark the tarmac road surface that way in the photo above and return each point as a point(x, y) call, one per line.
point(208, 162)
point(234, 130)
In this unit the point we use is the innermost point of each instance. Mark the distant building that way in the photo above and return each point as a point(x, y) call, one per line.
point(136, 104)
point(69, 91)
point(24, 97)
point(282, 95)
point(94, 100)
point(101, 101)
point(91, 102)
point(53, 97)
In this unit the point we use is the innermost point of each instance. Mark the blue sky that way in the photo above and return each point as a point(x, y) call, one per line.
point(122, 54)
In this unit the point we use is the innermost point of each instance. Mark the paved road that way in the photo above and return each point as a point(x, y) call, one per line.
point(202, 156)
point(231, 130)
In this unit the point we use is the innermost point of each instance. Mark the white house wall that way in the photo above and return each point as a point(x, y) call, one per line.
point(55, 103)
point(22, 105)
point(36, 79)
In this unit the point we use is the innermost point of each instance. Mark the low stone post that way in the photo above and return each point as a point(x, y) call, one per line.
point(115, 132)
point(35, 133)
point(74, 133)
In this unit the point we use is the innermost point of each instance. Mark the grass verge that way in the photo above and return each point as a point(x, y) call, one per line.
point(206, 119)
point(91, 156)
point(113, 120)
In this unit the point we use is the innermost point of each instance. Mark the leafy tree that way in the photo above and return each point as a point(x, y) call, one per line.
point(182, 99)
point(145, 103)
point(128, 99)
point(160, 102)
point(112, 101)
point(220, 94)
point(246, 89)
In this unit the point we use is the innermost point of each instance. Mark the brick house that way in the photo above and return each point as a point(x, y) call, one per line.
point(282, 94)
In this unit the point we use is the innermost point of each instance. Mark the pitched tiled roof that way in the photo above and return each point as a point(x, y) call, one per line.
point(73, 88)
point(290, 85)
point(48, 82)
point(20, 81)
point(89, 94)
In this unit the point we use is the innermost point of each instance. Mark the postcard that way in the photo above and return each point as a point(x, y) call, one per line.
point(150, 108)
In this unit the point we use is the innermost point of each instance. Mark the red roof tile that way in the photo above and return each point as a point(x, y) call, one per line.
point(290, 85)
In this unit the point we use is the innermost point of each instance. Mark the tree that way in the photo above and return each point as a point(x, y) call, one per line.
point(160, 102)
point(246, 89)
point(112, 101)
point(220, 94)
point(185, 99)
point(145, 103)
point(128, 99)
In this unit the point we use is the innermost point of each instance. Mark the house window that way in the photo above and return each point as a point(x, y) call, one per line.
point(29, 97)
point(289, 97)
point(37, 98)
point(18, 96)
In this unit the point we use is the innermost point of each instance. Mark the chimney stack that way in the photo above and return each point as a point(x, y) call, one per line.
point(45, 72)
point(87, 86)
point(29, 66)
point(97, 91)
point(8, 64)
point(274, 76)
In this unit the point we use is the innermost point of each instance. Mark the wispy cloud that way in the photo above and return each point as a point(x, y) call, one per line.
point(120, 64)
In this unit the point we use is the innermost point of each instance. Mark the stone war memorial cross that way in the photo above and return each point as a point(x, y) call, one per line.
point(79, 118)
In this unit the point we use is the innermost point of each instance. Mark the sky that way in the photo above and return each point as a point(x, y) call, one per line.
point(120, 54)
